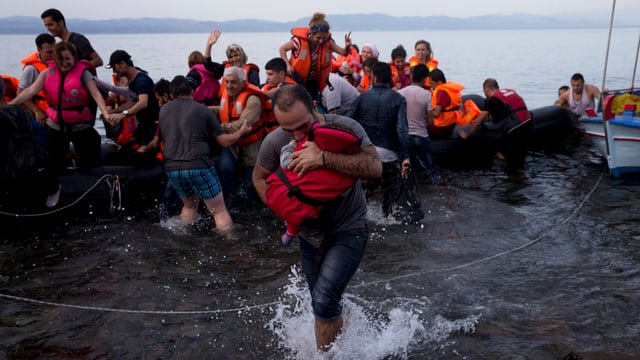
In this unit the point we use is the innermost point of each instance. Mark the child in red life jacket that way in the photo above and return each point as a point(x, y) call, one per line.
point(295, 198)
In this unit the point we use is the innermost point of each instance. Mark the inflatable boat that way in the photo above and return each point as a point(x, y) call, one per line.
point(550, 128)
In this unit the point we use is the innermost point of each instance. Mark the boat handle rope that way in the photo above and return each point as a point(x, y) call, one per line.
point(104, 178)
point(549, 230)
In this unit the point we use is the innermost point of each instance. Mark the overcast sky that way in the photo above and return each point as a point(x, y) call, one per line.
point(281, 10)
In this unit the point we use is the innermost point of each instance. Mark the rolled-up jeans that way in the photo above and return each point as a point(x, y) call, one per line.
point(329, 269)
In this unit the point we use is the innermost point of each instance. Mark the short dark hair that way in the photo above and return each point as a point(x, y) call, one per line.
point(288, 95)
point(161, 87)
point(44, 38)
point(180, 86)
point(369, 62)
point(577, 77)
point(276, 64)
point(419, 73)
point(491, 83)
point(437, 75)
point(382, 71)
point(55, 14)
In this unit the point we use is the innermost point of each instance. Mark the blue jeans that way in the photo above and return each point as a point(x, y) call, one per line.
point(227, 164)
point(421, 153)
point(330, 268)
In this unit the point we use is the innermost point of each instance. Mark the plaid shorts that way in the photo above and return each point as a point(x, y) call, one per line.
point(203, 182)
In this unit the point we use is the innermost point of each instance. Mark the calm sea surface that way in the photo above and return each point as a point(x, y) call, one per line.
point(498, 269)
point(534, 62)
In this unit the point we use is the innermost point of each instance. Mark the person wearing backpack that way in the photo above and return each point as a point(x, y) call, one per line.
point(25, 176)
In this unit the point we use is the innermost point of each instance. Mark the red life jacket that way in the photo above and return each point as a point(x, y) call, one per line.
point(207, 92)
point(230, 112)
point(74, 99)
point(511, 98)
point(296, 198)
point(301, 59)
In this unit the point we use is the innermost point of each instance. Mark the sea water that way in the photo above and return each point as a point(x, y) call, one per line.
point(497, 269)
point(533, 62)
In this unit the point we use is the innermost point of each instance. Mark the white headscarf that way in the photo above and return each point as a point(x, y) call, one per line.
point(373, 48)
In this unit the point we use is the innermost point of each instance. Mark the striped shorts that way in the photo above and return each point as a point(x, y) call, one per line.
point(202, 182)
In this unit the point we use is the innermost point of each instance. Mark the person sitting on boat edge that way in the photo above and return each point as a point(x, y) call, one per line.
point(241, 101)
point(68, 84)
point(311, 48)
point(446, 100)
point(507, 96)
point(33, 65)
point(188, 130)
point(581, 97)
point(400, 69)
point(143, 105)
point(26, 178)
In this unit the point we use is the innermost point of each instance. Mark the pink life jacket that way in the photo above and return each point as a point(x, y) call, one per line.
point(73, 97)
point(296, 198)
point(207, 92)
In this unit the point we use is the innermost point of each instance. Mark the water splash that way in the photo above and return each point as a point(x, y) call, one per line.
point(395, 328)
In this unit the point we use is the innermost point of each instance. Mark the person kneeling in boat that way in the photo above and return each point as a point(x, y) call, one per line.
point(189, 131)
point(498, 128)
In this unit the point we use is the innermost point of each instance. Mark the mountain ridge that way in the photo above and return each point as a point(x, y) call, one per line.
point(355, 22)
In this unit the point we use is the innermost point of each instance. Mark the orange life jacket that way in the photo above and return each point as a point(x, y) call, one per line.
point(431, 64)
point(365, 82)
point(10, 86)
point(230, 112)
point(471, 111)
point(247, 69)
point(451, 114)
point(270, 118)
point(34, 60)
point(301, 59)
point(396, 76)
point(352, 59)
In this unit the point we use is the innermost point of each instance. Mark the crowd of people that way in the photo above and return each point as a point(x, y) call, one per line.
point(222, 135)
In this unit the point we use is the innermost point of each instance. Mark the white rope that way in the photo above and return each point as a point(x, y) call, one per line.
point(265, 305)
point(103, 178)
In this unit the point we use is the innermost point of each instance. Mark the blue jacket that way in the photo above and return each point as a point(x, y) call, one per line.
point(382, 113)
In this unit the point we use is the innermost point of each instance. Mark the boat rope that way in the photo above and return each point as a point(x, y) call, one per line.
point(269, 304)
point(146, 312)
point(105, 178)
point(503, 253)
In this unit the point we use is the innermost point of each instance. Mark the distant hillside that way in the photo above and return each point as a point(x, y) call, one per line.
point(374, 22)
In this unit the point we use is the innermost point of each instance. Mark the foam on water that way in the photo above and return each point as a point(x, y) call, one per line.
point(372, 329)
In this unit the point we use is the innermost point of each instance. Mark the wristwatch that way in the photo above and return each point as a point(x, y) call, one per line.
point(125, 112)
